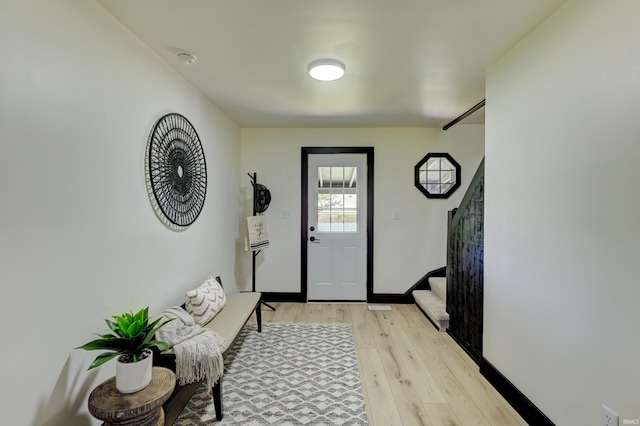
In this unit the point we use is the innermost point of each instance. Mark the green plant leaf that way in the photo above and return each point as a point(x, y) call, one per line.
point(134, 328)
point(108, 336)
point(123, 324)
point(113, 344)
point(131, 334)
point(113, 326)
point(142, 315)
point(153, 328)
point(102, 358)
point(162, 346)
point(97, 344)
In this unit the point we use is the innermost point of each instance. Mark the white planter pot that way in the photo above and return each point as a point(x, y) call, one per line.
point(134, 376)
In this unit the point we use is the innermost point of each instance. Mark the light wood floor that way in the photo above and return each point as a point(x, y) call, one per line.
point(411, 373)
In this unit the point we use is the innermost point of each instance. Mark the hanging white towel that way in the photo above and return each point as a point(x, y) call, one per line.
point(257, 236)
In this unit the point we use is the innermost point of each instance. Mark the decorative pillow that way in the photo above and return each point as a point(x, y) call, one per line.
point(206, 301)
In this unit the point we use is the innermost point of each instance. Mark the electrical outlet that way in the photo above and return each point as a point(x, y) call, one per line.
point(609, 417)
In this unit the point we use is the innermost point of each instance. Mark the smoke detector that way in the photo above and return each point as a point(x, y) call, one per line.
point(186, 58)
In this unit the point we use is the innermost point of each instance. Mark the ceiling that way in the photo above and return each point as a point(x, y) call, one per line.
point(409, 63)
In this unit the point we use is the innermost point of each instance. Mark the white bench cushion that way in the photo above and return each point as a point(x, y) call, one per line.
point(232, 318)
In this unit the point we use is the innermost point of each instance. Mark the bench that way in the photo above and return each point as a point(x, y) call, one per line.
point(227, 323)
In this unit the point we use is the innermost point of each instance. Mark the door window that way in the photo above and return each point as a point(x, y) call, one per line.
point(337, 199)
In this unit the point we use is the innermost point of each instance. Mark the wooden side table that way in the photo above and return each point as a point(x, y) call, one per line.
point(142, 408)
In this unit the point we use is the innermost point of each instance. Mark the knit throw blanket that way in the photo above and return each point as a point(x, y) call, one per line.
point(197, 349)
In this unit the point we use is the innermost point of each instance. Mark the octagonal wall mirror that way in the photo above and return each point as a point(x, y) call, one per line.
point(437, 175)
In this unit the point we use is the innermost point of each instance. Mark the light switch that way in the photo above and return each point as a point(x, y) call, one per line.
point(286, 214)
point(396, 215)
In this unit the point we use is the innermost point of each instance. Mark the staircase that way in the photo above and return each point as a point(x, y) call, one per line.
point(433, 302)
point(452, 296)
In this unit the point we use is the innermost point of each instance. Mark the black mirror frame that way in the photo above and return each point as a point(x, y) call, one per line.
point(454, 163)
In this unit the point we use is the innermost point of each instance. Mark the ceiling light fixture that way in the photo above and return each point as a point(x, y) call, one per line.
point(186, 58)
point(326, 69)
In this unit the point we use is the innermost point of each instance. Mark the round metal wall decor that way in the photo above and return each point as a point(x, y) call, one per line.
point(176, 171)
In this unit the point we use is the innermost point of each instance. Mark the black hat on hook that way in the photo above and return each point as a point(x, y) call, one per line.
point(262, 198)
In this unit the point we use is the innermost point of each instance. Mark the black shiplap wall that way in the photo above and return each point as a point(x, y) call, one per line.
point(465, 268)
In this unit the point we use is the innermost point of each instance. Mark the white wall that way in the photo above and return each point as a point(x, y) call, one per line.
point(561, 210)
point(79, 239)
point(405, 249)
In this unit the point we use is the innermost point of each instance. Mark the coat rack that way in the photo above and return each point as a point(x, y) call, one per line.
point(254, 183)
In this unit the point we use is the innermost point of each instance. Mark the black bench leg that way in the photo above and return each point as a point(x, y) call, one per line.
point(217, 398)
point(259, 317)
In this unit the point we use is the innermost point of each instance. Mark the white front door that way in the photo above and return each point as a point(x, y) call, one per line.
point(337, 227)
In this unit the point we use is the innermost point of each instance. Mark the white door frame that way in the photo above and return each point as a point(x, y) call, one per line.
point(304, 229)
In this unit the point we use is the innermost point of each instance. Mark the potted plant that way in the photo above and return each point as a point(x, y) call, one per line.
point(130, 341)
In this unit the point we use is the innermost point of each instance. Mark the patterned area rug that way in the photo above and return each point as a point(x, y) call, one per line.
point(290, 374)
